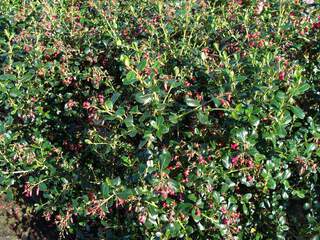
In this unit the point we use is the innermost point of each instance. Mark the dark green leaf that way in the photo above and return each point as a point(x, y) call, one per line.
point(142, 65)
point(143, 98)
point(298, 112)
point(105, 190)
point(271, 184)
point(130, 78)
point(10, 77)
point(165, 158)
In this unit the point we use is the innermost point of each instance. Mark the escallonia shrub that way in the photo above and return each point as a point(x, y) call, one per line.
point(162, 119)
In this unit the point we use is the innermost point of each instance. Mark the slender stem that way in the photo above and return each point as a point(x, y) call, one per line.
point(18, 172)
point(165, 99)
point(238, 170)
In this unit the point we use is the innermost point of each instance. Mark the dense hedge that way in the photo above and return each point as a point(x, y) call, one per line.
point(162, 119)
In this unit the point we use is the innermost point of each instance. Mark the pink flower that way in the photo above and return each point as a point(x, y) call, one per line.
point(252, 44)
point(202, 161)
point(261, 43)
point(198, 212)
point(142, 218)
point(186, 172)
point(234, 146)
point(68, 81)
point(47, 216)
point(165, 191)
point(164, 205)
point(278, 58)
point(199, 96)
point(250, 164)
point(86, 105)
point(120, 202)
point(170, 168)
point(178, 164)
point(282, 76)
point(101, 98)
point(70, 104)
point(187, 84)
point(225, 221)
point(27, 48)
point(315, 25)
point(234, 160)
point(27, 190)
point(235, 216)
point(58, 217)
point(223, 210)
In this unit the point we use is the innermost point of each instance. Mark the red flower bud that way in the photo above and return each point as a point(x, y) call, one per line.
point(234, 146)
point(225, 221)
point(164, 205)
point(170, 168)
point(142, 219)
point(198, 212)
point(186, 172)
point(250, 164)
point(101, 98)
point(282, 76)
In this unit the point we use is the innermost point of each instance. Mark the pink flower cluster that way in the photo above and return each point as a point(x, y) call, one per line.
point(238, 160)
point(95, 208)
point(316, 25)
point(229, 217)
point(165, 191)
point(28, 190)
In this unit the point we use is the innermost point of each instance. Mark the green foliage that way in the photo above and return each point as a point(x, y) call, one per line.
point(162, 119)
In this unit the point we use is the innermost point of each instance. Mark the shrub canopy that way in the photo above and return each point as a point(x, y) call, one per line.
point(162, 119)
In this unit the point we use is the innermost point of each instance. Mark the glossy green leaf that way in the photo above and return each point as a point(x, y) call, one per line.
point(298, 112)
point(192, 102)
